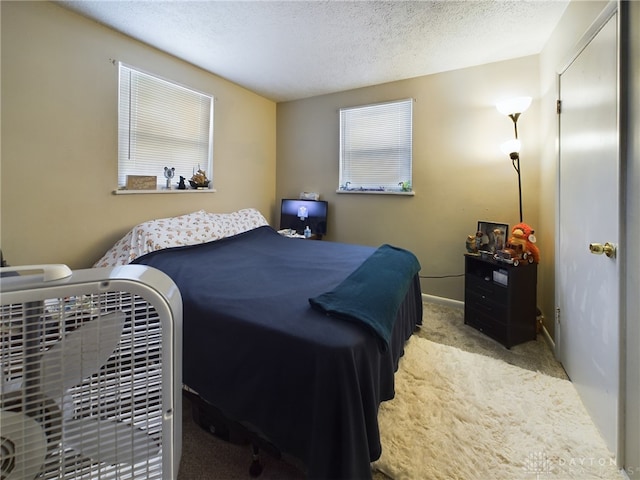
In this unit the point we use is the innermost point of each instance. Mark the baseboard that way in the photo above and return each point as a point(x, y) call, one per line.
point(548, 339)
point(447, 302)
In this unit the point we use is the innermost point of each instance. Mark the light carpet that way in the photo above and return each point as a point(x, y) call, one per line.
point(461, 415)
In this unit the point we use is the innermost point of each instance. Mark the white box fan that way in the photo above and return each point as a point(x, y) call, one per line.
point(90, 374)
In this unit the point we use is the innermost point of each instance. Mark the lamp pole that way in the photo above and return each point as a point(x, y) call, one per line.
point(515, 160)
point(513, 108)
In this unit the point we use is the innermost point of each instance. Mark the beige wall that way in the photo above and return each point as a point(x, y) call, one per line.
point(59, 138)
point(460, 175)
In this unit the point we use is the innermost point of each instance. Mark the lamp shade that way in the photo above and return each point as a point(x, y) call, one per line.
point(511, 146)
point(514, 105)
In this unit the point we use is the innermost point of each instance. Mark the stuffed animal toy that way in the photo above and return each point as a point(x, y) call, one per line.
point(523, 234)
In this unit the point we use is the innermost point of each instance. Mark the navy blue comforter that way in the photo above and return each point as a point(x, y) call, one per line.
point(253, 346)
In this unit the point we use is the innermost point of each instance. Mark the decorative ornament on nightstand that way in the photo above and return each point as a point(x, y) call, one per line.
point(473, 242)
point(521, 247)
point(525, 236)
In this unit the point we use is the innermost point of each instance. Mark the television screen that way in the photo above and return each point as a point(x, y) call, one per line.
point(297, 214)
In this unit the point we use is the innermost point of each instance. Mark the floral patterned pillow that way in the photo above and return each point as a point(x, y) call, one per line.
point(189, 229)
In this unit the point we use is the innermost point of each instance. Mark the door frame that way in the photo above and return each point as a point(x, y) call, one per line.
point(630, 126)
point(611, 9)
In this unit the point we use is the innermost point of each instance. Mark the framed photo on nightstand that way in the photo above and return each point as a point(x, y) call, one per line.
point(491, 236)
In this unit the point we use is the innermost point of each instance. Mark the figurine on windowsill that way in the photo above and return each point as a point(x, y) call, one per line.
point(168, 174)
point(199, 180)
point(181, 185)
point(405, 186)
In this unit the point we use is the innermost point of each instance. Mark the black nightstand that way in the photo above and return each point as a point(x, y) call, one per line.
point(500, 299)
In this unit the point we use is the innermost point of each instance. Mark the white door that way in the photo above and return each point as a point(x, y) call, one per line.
point(587, 288)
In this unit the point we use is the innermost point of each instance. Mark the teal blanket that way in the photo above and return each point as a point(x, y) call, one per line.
point(373, 293)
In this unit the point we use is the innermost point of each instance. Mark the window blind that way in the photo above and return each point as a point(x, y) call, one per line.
point(376, 146)
point(162, 124)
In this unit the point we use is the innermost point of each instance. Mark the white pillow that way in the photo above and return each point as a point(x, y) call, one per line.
point(189, 229)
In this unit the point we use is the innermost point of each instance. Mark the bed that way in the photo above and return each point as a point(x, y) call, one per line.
point(269, 340)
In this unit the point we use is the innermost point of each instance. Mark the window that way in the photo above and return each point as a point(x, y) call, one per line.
point(376, 147)
point(162, 124)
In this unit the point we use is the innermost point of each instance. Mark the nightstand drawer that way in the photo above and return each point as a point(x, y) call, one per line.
point(486, 324)
point(486, 289)
point(496, 311)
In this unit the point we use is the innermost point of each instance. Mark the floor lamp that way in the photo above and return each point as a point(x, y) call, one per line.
point(513, 108)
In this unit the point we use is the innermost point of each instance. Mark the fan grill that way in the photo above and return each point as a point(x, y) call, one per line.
point(108, 422)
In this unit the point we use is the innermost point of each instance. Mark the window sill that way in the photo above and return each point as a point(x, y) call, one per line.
point(163, 191)
point(377, 192)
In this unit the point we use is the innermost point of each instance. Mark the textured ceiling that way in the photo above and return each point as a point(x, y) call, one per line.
point(298, 49)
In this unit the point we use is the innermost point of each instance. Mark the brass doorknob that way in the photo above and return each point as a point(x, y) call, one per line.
point(608, 249)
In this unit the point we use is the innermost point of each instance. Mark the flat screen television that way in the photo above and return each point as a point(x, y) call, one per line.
point(297, 214)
